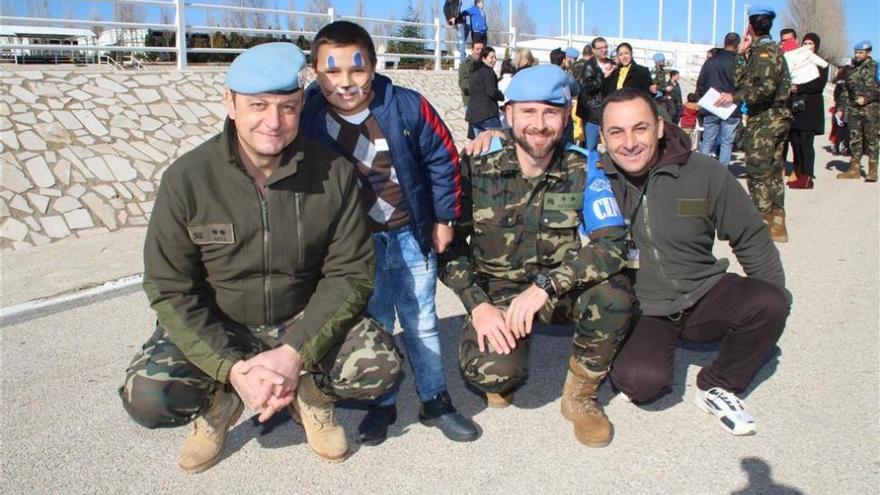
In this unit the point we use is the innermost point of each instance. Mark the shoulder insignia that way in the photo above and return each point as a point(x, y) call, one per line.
point(764, 55)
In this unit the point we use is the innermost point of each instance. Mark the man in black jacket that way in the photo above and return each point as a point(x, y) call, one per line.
point(589, 101)
point(717, 72)
point(675, 202)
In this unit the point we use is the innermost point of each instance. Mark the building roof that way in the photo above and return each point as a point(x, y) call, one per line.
point(7, 30)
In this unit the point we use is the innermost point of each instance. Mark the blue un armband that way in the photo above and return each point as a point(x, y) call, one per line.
point(600, 207)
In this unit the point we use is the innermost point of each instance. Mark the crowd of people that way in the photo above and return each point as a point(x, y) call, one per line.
point(281, 252)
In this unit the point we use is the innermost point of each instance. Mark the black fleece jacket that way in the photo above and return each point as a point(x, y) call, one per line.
point(675, 214)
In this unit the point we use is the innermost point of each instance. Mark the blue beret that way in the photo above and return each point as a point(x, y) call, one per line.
point(571, 52)
point(545, 82)
point(762, 10)
point(266, 68)
point(862, 45)
point(659, 58)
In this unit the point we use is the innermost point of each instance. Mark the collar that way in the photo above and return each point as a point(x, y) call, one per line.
point(287, 165)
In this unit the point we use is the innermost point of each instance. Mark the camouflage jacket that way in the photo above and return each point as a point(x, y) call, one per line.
point(513, 227)
point(761, 77)
point(659, 77)
point(861, 80)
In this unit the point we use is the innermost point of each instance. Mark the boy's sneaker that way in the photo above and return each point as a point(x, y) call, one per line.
point(730, 411)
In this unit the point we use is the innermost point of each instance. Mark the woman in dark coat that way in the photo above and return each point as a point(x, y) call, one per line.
point(482, 110)
point(636, 76)
point(808, 120)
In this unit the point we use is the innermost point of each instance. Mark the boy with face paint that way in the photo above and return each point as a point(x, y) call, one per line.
point(408, 171)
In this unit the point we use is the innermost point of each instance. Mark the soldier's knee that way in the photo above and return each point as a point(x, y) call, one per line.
point(642, 383)
point(367, 369)
point(492, 373)
point(160, 404)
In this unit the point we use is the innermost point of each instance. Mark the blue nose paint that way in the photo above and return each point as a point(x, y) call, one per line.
point(358, 60)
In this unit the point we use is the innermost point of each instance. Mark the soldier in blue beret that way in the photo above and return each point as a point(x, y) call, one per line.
point(518, 256)
point(258, 264)
point(860, 103)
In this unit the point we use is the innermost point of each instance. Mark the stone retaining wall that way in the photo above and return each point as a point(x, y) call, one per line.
point(83, 150)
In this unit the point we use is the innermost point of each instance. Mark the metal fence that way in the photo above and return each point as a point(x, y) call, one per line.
point(438, 40)
point(439, 44)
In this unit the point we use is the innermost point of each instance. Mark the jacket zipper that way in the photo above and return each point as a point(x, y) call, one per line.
point(654, 245)
point(300, 254)
point(267, 290)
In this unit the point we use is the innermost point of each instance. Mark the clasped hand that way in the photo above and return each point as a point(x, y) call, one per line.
point(267, 382)
point(503, 329)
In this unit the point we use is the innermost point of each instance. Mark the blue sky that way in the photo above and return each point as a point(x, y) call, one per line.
point(640, 16)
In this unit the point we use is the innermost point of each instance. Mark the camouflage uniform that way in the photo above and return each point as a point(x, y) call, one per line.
point(659, 77)
point(763, 82)
point(519, 227)
point(164, 389)
point(863, 120)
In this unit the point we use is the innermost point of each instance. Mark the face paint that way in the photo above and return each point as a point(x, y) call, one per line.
point(331, 62)
point(358, 60)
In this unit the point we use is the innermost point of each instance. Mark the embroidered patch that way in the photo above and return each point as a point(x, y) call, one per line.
point(212, 233)
point(693, 207)
point(563, 201)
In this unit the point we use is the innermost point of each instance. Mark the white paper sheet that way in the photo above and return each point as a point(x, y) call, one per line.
point(707, 102)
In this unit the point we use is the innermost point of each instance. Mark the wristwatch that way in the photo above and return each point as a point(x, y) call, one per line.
point(544, 281)
point(448, 223)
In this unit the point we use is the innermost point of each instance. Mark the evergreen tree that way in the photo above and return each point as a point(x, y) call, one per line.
point(412, 32)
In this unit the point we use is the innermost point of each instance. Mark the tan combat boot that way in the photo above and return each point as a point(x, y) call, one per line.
point(778, 232)
point(855, 169)
point(499, 401)
point(591, 426)
point(872, 171)
point(317, 415)
point(203, 447)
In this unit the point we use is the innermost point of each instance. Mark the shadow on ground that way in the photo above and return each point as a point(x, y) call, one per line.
point(550, 349)
point(761, 481)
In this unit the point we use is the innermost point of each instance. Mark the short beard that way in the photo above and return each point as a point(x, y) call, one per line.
point(531, 151)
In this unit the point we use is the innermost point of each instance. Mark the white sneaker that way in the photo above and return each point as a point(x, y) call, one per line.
point(729, 410)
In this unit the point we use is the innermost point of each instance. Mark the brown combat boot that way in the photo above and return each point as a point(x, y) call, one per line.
point(872, 171)
point(499, 401)
point(854, 171)
point(778, 232)
point(317, 415)
point(203, 447)
point(591, 426)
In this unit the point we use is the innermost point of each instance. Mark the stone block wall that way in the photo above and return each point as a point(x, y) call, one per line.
point(83, 150)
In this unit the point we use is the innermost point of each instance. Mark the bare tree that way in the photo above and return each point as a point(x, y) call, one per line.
point(292, 21)
point(496, 21)
point(360, 10)
point(257, 20)
point(36, 8)
point(317, 6)
point(522, 20)
point(235, 18)
point(823, 17)
point(166, 17)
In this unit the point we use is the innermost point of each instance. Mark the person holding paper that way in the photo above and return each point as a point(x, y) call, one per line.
point(808, 111)
point(717, 73)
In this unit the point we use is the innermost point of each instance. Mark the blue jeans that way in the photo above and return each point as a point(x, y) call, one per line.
point(405, 283)
point(712, 127)
point(490, 123)
point(463, 30)
point(591, 134)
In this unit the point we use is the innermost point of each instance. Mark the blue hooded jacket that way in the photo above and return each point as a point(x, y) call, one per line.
point(422, 151)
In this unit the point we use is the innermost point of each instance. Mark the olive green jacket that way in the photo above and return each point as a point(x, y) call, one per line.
point(220, 256)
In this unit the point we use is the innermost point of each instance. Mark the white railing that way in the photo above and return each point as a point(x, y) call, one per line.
point(438, 40)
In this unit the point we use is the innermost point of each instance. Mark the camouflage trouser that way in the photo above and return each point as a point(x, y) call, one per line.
point(765, 140)
point(601, 315)
point(163, 389)
point(863, 128)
